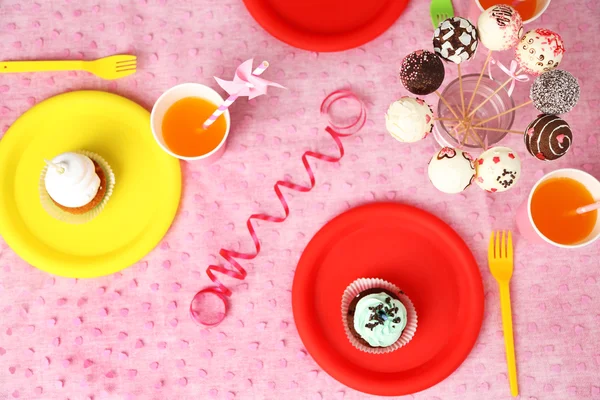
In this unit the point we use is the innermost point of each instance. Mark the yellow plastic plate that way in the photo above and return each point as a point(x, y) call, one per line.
point(137, 216)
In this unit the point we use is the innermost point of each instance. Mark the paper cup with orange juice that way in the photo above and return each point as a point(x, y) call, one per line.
point(177, 118)
point(549, 215)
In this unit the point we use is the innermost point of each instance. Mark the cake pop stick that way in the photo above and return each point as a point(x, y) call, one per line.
point(473, 136)
point(487, 60)
point(493, 94)
point(462, 96)
point(483, 128)
point(504, 113)
point(60, 169)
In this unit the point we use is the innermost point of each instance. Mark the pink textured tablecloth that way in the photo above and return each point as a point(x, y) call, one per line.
point(129, 336)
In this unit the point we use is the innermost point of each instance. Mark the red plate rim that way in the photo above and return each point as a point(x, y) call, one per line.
point(311, 338)
point(269, 19)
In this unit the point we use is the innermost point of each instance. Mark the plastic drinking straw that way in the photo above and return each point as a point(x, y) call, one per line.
point(259, 70)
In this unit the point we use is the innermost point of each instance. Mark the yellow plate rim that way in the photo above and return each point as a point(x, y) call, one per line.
point(127, 256)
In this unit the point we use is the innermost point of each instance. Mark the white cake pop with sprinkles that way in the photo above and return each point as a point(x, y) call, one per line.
point(500, 27)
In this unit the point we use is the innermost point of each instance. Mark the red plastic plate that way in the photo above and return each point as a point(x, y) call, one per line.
point(424, 257)
point(325, 25)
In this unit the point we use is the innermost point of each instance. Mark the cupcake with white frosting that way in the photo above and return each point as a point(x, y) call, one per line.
point(75, 186)
point(378, 317)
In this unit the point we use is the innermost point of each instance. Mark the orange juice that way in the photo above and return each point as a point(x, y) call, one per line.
point(553, 206)
point(182, 127)
point(525, 7)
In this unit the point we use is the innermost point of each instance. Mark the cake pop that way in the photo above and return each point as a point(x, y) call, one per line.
point(548, 137)
point(422, 72)
point(409, 119)
point(498, 169)
point(500, 27)
point(451, 170)
point(539, 51)
point(455, 39)
point(555, 92)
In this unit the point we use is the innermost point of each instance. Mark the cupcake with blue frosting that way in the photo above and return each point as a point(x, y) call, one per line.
point(378, 317)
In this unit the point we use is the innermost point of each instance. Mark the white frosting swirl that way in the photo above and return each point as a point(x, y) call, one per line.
point(409, 119)
point(388, 328)
point(77, 185)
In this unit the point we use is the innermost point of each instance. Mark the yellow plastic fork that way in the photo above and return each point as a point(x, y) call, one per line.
point(500, 258)
point(112, 67)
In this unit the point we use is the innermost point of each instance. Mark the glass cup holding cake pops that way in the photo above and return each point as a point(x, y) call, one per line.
point(475, 111)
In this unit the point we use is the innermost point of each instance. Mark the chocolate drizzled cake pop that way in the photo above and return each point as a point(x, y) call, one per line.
point(555, 92)
point(422, 72)
point(500, 27)
point(548, 137)
point(455, 40)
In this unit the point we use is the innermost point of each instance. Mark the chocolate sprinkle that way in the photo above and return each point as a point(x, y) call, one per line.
point(555, 92)
point(422, 72)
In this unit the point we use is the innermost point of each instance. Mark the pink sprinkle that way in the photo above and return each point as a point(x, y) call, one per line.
point(202, 373)
point(52, 322)
point(183, 382)
point(97, 332)
point(123, 335)
point(154, 287)
point(174, 322)
point(149, 325)
point(79, 340)
point(162, 345)
point(56, 342)
point(146, 306)
point(207, 354)
point(39, 390)
point(154, 365)
point(124, 312)
point(139, 344)
point(175, 287)
point(123, 355)
point(47, 361)
point(110, 374)
point(103, 312)
point(77, 321)
point(2, 351)
point(87, 363)
point(66, 362)
point(28, 373)
point(60, 384)
point(172, 305)
point(61, 302)
point(132, 373)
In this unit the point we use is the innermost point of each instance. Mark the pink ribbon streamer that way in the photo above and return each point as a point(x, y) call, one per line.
point(221, 292)
point(511, 72)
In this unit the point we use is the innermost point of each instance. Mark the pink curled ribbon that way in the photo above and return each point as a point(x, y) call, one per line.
point(210, 305)
point(511, 72)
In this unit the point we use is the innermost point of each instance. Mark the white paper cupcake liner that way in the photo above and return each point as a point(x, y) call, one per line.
point(362, 284)
point(75, 219)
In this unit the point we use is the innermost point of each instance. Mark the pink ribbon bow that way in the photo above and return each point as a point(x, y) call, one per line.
point(511, 72)
point(244, 83)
